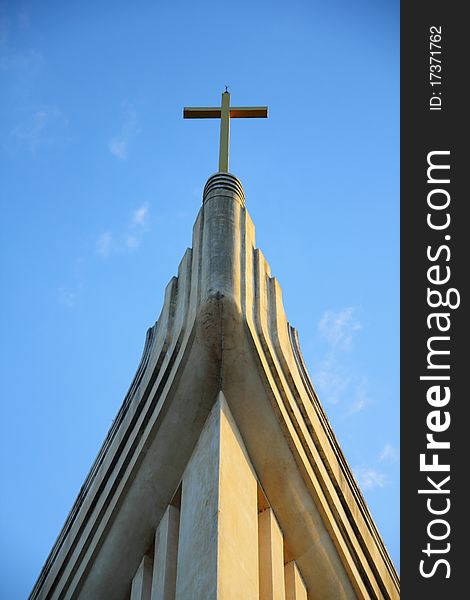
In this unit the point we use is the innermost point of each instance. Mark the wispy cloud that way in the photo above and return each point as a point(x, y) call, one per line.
point(379, 474)
point(370, 478)
point(361, 397)
point(331, 379)
point(67, 298)
point(104, 244)
point(39, 129)
point(118, 145)
point(140, 216)
point(129, 239)
point(132, 242)
point(337, 329)
point(389, 453)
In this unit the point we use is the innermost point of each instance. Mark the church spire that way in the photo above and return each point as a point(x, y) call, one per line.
point(221, 475)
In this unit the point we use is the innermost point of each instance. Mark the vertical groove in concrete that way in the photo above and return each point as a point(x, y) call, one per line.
point(271, 557)
point(295, 586)
point(142, 581)
point(165, 556)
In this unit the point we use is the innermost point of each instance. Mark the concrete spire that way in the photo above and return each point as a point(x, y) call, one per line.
point(221, 396)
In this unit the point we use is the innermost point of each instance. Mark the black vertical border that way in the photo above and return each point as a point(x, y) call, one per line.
point(423, 131)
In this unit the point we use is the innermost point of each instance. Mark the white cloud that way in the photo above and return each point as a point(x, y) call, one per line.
point(132, 242)
point(369, 478)
point(118, 145)
point(339, 327)
point(39, 129)
point(104, 244)
point(389, 453)
point(140, 216)
point(332, 381)
point(129, 239)
point(67, 297)
point(361, 397)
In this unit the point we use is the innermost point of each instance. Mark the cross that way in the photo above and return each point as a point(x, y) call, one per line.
point(225, 113)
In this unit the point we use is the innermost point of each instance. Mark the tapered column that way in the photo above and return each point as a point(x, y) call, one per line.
point(142, 581)
point(217, 551)
point(166, 550)
point(271, 558)
point(295, 586)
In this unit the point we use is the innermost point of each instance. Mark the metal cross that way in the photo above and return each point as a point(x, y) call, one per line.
point(225, 113)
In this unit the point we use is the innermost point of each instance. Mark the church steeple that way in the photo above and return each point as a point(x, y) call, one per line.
point(221, 476)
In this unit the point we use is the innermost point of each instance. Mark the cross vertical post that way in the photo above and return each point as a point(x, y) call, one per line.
point(224, 133)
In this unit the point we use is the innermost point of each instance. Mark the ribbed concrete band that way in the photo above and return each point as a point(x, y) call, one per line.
point(223, 181)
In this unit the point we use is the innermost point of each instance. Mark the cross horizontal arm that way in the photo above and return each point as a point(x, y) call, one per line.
point(249, 112)
point(204, 112)
point(207, 112)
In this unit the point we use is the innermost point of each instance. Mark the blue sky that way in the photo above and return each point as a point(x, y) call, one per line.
point(101, 180)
